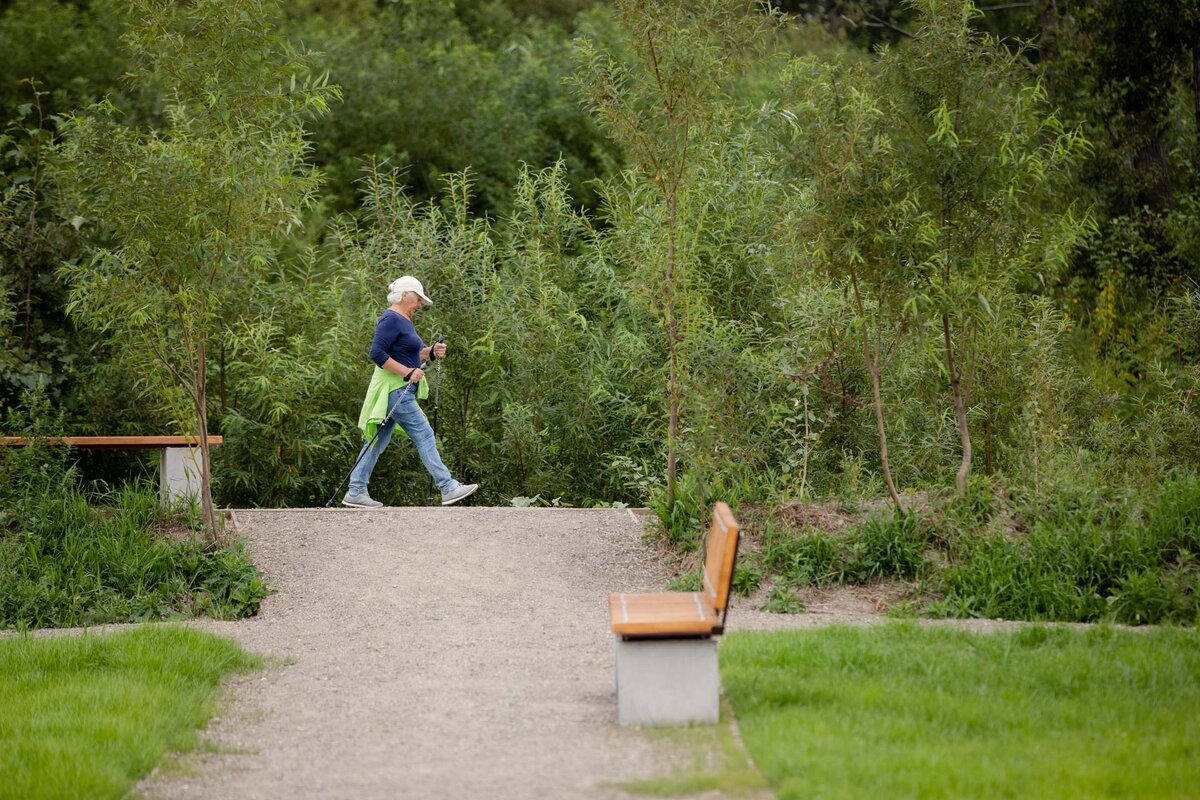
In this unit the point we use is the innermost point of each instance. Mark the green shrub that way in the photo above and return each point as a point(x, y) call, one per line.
point(1141, 598)
point(1173, 516)
point(687, 582)
point(886, 547)
point(681, 521)
point(747, 578)
point(815, 558)
point(811, 556)
point(1085, 561)
point(783, 600)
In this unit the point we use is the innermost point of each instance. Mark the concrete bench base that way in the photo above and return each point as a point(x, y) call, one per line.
point(179, 475)
point(667, 681)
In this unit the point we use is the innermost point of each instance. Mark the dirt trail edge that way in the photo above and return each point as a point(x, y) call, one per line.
point(430, 653)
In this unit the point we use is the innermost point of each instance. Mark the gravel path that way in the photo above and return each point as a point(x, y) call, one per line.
point(430, 653)
point(444, 653)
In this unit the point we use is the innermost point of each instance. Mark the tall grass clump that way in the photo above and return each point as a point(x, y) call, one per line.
point(809, 557)
point(1086, 560)
point(892, 545)
point(883, 546)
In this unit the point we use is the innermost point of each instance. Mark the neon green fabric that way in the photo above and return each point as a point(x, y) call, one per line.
point(375, 404)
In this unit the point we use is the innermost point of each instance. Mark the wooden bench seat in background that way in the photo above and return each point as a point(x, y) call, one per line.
point(179, 477)
point(666, 657)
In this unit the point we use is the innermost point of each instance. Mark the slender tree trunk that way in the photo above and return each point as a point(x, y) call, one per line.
point(206, 502)
point(960, 409)
point(1196, 82)
point(807, 447)
point(465, 407)
point(1047, 13)
point(877, 398)
point(872, 362)
point(26, 337)
point(672, 353)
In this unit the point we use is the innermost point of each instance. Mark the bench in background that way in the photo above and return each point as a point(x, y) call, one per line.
point(666, 654)
point(179, 475)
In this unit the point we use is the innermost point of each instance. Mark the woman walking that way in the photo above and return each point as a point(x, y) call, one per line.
point(395, 386)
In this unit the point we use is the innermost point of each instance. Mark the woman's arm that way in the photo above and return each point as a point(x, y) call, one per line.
point(386, 332)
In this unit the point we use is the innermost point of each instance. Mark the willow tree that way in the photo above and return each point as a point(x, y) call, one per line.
point(194, 208)
point(980, 154)
point(662, 101)
point(855, 208)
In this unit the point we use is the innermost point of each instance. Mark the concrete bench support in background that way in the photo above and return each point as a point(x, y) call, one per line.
point(178, 474)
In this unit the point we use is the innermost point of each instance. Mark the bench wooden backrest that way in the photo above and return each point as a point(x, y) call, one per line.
point(723, 535)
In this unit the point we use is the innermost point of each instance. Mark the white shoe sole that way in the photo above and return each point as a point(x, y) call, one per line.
point(361, 508)
point(463, 497)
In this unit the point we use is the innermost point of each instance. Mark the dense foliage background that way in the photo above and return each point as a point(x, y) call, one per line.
point(846, 250)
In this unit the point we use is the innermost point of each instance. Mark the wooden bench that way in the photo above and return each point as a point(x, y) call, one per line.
point(179, 477)
point(666, 656)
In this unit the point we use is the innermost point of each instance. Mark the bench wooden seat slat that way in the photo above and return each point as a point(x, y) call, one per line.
point(110, 442)
point(667, 614)
point(677, 613)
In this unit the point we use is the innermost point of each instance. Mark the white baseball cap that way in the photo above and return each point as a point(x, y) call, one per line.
point(408, 283)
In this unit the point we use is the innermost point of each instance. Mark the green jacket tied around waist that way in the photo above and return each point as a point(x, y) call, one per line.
point(375, 405)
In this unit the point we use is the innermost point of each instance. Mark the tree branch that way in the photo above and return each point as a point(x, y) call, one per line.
point(879, 22)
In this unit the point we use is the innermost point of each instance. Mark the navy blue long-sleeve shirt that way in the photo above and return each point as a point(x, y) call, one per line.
point(396, 338)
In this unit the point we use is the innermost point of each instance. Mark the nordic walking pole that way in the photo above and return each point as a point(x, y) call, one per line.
point(370, 444)
point(437, 390)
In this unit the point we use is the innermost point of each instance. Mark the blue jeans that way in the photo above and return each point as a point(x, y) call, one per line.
point(412, 420)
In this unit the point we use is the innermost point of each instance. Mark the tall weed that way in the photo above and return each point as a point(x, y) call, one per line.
point(1085, 561)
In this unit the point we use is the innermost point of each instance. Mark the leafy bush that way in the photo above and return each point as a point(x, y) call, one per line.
point(886, 546)
point(687, 582)
point(783, 600)
point(681, 521)
point(1141, 598)
point(746, 579)
point(810, 557)
point(1085, 562)
point(1085, 553)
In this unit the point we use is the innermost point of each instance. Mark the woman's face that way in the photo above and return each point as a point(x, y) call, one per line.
point(410, 303)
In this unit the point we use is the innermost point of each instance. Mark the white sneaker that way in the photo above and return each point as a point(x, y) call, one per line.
point(360, 501)
point(454, 495)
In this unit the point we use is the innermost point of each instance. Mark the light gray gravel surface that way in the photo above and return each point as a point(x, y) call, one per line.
point(432, 653)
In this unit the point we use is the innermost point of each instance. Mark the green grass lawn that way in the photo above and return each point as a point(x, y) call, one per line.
point(904, 711)
point(86, 716)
